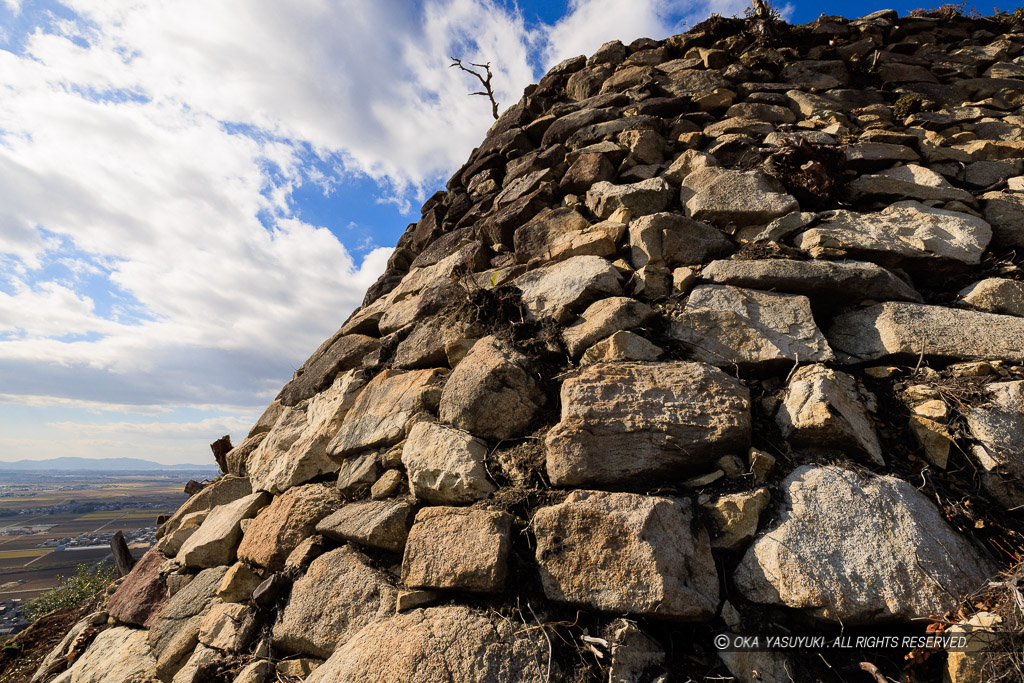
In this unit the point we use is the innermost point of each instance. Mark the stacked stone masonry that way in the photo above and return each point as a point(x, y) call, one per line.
point(709, 334)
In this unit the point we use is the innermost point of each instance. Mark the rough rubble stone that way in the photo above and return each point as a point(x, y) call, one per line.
point(905, 230)
point(228, 627)
point(906, 182)
point(995, 295)
point(117, 655)
point(827, 283)
point(822, 409)
point(998, 426)
point(339, 594)
point(560, 289)
point(238, 583)
point(490, 394)
point(859, 549)
point(634, 655)
point(175, 632)
point(729, 326)
point(620, 346)
point(723, 197)
point(445, 465)
point(640, 199)
point(196, 668)
point(380, 524)
point(672, 240)
point(1004, 211)
point(224, 490)
point(602, 319)
point(295, 450)
point(358, 472)
point(283, 524)
point(453, 643)
point(338, 354)
point(737, 515)
point(902, 331)
point(558, 234)
point(457, 549)
point(215, 542)
point(659, 567)
point(623, 422)
point(385, 408)
point(142, 595)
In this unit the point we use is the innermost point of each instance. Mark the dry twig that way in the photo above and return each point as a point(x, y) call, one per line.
point(487, 91)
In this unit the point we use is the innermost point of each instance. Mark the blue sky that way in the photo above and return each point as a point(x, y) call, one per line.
point(193, 195)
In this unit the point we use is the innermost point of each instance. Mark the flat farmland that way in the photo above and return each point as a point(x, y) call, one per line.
point(38, 512)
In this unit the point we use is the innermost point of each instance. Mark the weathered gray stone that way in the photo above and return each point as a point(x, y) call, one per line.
point(902, 331)
point(633, 653)
point(228, 627)
point(816, 74)
point(295, 450)
point(238, 583)
point(859, 549)
point(377, 523)
point(604, 318)
point(198, 666)
point(216, 541)
point(279, 528)
point(237, 458)
point(624, 422)
point(640, 199)
point(258, 671)
point(998, 426)
point(445, 465)
point(559, 234)
point(358, 472)
point(385, 408)
point(905, 230)
point(671, 240)
point(558, 290)
point(224, 490)
point(723, 197)
point(175, 632)
point(736, 515)
point(336, 355)
point(489, 394)
point(995, 295)
point(458, 549)
point(727, 326)
point(339, 594)
point(117, 655)
point(659, 567)
point(826, 283)
point(427, 346)
point(620, 346)
point(821, 409)
point(906, 182)
point(1004, 211)
point(453, 643)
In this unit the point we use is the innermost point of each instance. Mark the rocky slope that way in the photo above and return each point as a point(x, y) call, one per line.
point(707, 336)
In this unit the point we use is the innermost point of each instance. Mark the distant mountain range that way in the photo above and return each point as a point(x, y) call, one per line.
point(96, 465)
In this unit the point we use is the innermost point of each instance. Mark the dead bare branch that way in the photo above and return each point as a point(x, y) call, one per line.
point(486, 81)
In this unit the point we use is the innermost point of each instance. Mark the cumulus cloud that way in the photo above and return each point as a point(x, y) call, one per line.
point(150, 253)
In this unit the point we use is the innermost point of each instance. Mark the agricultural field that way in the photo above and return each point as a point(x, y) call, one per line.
point(50, 524)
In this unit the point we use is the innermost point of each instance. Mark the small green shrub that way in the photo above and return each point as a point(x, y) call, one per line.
point(86, 582)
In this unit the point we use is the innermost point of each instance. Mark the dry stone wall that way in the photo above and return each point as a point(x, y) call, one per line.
point(707, 335)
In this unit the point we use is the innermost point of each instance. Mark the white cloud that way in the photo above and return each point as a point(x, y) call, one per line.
point(149, 152)
point(591, 23)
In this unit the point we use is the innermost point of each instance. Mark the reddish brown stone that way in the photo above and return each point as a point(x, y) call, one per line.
point(143, 593)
